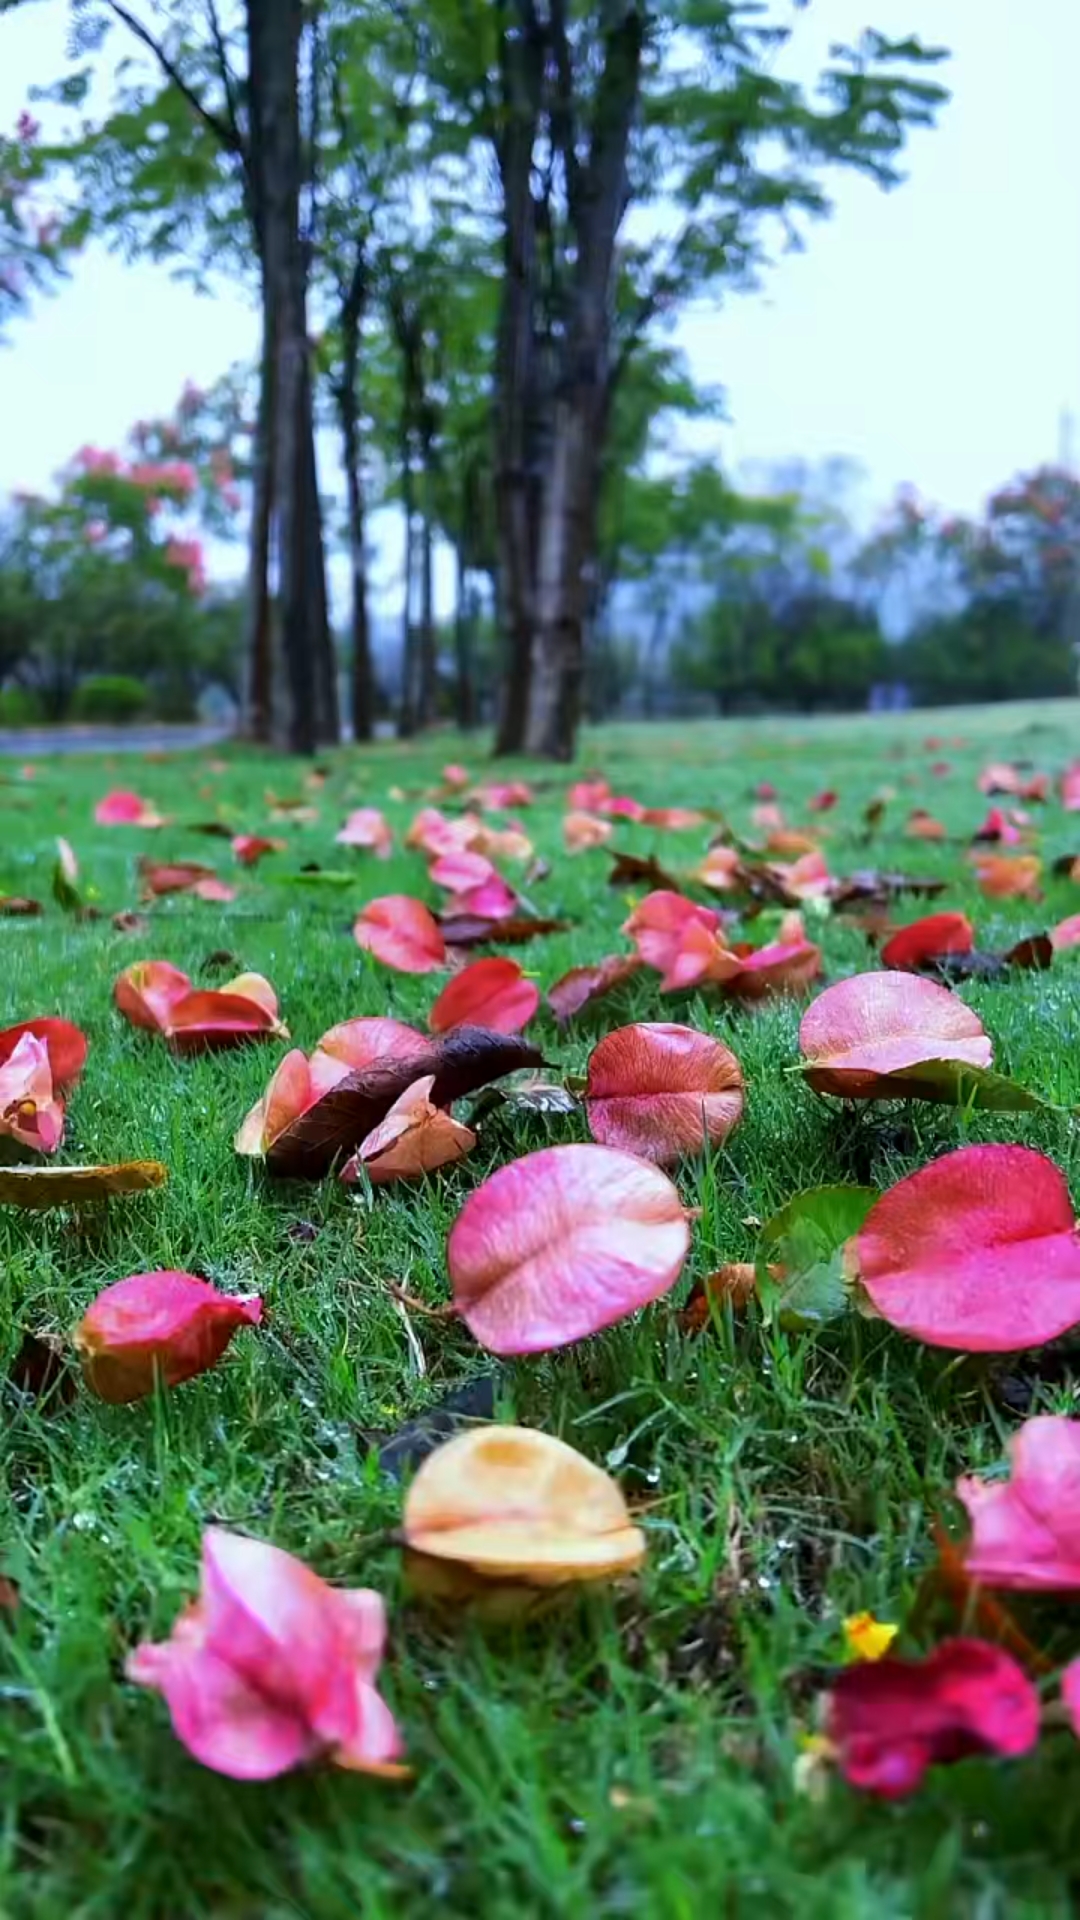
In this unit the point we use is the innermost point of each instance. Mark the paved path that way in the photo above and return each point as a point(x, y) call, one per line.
point(28, 743)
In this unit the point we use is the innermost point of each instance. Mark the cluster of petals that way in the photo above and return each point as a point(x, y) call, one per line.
point(159, 998)
point(40, 1062)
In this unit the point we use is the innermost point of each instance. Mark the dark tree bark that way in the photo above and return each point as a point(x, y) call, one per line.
point(347, 399)
point(258, 721)
point(464, 638)
point(555, 363)
point(327, 700)
point(273, 28)
point(409, 662)
point(428, 653)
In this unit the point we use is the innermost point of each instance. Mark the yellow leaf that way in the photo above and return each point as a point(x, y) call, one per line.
point(43, 1187)
point(510, 1505)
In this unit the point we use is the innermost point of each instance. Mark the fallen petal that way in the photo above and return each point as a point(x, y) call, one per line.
point(563, 1243)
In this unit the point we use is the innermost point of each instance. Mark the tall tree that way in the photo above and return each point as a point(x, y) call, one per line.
point(592, 113)
point(204, 156)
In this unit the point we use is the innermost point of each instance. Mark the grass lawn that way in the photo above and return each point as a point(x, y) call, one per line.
point(631, 1755)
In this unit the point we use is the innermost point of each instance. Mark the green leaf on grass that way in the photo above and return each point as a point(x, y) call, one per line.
point(806, 1240)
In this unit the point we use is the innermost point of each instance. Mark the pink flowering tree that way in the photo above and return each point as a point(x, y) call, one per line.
point(115, 565)
point(37, 234)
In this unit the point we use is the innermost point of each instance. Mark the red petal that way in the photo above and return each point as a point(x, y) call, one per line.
point(168, 1323)
point(860, 1032)
point(65, 1044)
point(147, 992)
point(401, 933)
point(205, 1021)
point(937, 933)
point(662, 1091)
point(978, 1252)
point(1025, 1531)
point(581, 985)
point(490, 993)
point(563, 1243)
point(891, 1719)
point(250, 848)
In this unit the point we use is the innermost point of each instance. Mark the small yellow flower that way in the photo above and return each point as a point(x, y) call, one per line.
point(867, 1638)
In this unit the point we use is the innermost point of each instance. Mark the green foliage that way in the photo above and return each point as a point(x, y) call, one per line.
point(109, 697)
point(20, 708)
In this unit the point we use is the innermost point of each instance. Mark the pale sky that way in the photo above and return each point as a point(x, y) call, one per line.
point(932, 334)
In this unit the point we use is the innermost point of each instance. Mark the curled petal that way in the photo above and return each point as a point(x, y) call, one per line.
point(166, 1324)
point(510, 1503)
point(662, 1091)
point(147, 992)
point(582, 985)
point(858, 1036)
point(1025, 1531)
point(583, 830)
point(367, 827)
point(563, 1243)
point(416, 1137)
point(271, 1668)
point(29, 1111)
point(66, 1045)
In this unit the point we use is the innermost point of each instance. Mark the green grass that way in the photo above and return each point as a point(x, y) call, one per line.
point(629, 1756)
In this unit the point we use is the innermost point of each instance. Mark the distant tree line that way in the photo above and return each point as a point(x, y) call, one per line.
point(443, 209)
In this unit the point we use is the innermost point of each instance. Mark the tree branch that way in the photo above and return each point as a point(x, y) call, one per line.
point(219, 128)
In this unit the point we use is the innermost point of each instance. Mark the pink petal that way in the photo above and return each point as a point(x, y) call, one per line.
point(224, 1722)
point(978, 1252)
point(401, 933)
point(860, 1031)
point(661, 1091)
point(1026, 1530)
point(562, 1243)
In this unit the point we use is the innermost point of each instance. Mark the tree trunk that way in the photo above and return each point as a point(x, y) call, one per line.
point(362, 683)
point(327, 701)
point(258, 720)
point(407, 709)
point(428, 661)
point(523, 57)
point(559, 659)
point(273, 31)
point(464, 634)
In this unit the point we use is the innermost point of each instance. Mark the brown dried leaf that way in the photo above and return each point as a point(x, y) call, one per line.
point(630, 870)
point(41, 1369)
point(469, 930)
point(461, 1062)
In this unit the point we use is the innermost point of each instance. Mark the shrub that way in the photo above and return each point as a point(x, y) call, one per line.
point(110, 697)
point(20, 708)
